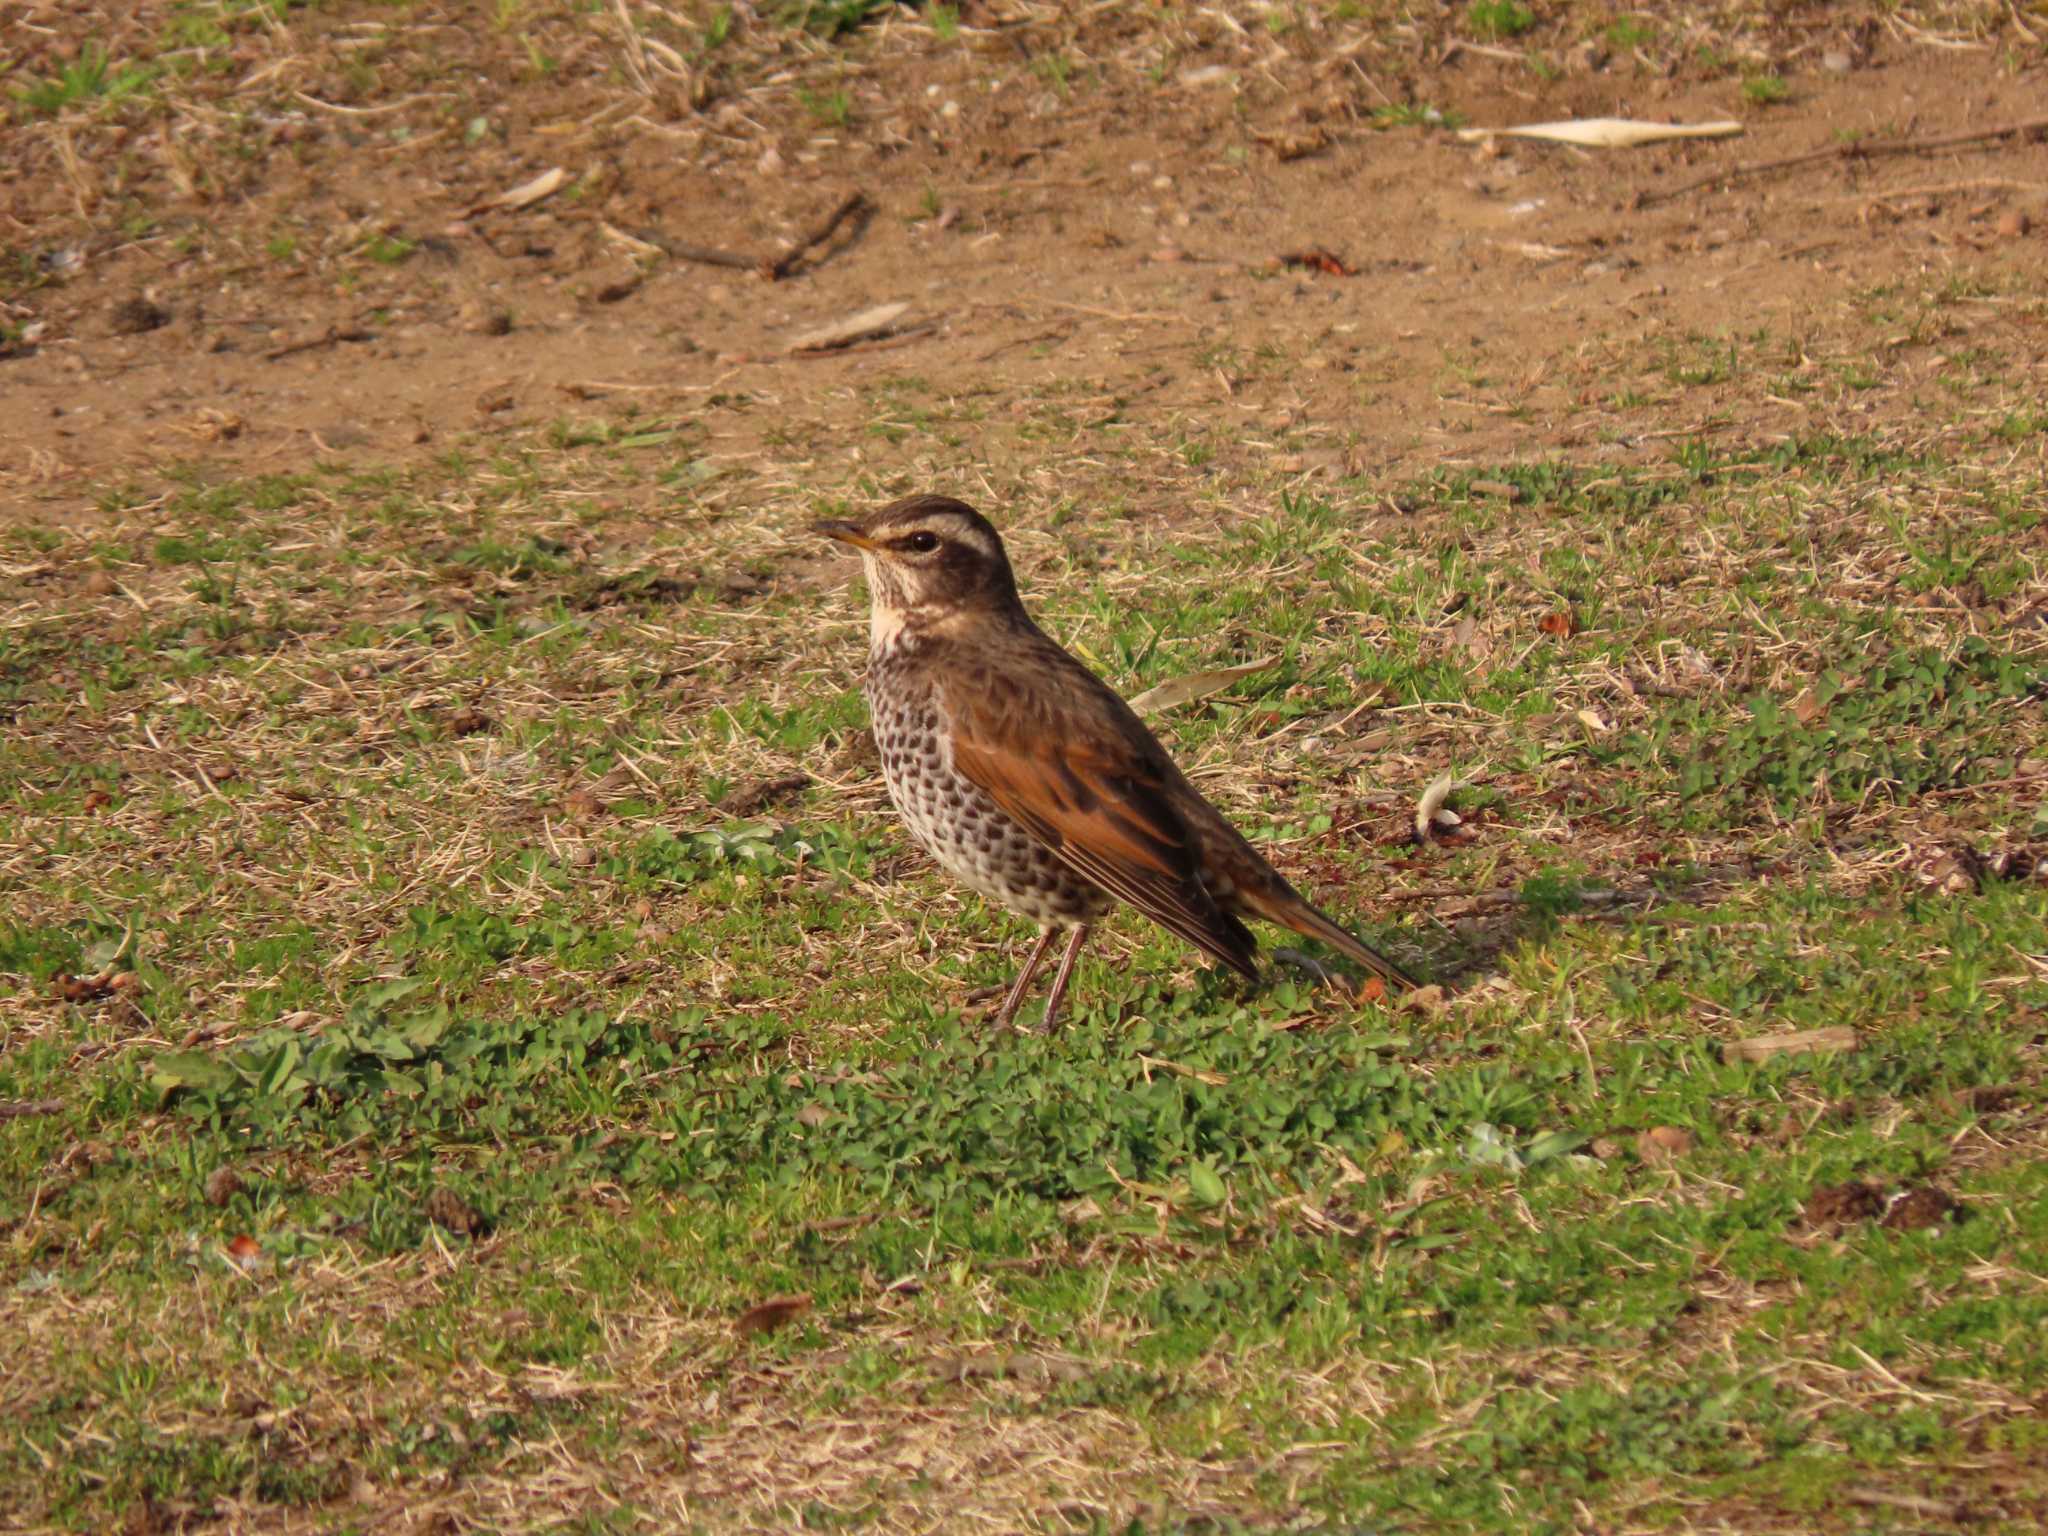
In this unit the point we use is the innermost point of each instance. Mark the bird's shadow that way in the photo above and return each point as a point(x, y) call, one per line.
point(1490, 925)
point(1479, 931)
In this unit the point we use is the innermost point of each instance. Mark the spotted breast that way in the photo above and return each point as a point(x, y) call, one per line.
point(953, 818)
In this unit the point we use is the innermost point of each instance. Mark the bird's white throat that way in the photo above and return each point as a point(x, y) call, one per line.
point(885, 629)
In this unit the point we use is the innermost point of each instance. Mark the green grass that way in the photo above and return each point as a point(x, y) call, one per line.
point(1499, 20)
point(89, 77)
point(1765, 90)
point(831, 108)
point(388, 250)
point(1408, 114)
point(832, 18)
point(665, 1063)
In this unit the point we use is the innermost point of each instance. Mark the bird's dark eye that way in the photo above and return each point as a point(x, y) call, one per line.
point(921, 543)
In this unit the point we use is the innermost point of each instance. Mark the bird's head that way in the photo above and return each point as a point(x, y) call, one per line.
point(928, 559)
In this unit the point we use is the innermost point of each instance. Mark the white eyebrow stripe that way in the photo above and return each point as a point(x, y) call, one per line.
point(945, 525)
point(979, 539)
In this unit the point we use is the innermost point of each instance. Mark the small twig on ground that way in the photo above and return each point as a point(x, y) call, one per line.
point(707, 255)
point(1458, 45)
point(1865, 151)
point(334, 336)
point(781, 266)
point(1006, 1367)
point(635, 51)
point(1020, 341)
point(1912, 1503)
point(1122, 317)
point(1032, 184)
point(1964, 791)
point(774, 268)
point(376, 111)
point(1944, 189)
point(15, 1109)
point(877, 344)
point(829, 1224)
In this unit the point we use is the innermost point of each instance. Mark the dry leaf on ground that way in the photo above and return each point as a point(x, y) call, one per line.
point(767, 1316)
point(879, 320)
point(1605, 132)
point(1662, 1143)
point(1431, 811)
point(1197, 685)
point(1764, 1047)
point(526, 194)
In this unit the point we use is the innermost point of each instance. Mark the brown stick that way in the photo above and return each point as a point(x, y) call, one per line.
point(1912, 1503)
point(334, 335)
point(1944, 189)
point(779, 268)
point(774, 268)
point(1650, 198)
point(15, 1109)
point(901, 338)
point(1965, 790)
point(709, 255)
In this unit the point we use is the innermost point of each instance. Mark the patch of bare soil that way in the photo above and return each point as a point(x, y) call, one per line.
point(362, 236)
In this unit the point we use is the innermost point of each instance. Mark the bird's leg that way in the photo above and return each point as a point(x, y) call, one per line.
point(1023, 982)
point(1061, 976)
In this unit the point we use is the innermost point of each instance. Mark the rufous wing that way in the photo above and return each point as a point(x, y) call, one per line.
point(1093, 798)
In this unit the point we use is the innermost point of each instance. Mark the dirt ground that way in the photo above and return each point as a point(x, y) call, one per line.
point(288, 263)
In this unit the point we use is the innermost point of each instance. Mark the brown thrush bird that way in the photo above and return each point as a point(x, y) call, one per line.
point(1026, 777)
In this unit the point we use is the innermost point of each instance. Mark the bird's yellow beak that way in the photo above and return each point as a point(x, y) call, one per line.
point(845, 533)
